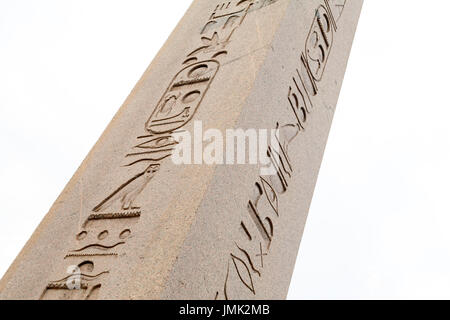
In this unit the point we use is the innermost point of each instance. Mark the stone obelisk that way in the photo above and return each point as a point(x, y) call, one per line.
point(132, 224)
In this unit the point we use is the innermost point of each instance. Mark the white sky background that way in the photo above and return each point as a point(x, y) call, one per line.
point(379, 225)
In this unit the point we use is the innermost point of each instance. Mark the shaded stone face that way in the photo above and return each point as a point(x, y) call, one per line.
point(133, 224)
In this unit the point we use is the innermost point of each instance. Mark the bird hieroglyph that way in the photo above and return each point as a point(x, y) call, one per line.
point(126, 194)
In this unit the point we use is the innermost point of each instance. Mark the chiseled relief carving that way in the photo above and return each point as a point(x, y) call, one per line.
point(126, 194)
point(105, 232)
point(258, 226)
point(319, 43)
point(183, 97)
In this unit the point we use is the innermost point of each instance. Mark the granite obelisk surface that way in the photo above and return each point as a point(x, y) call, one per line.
point(132, 224)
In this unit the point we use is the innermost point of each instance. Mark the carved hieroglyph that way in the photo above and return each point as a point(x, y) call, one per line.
point(131, 224)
